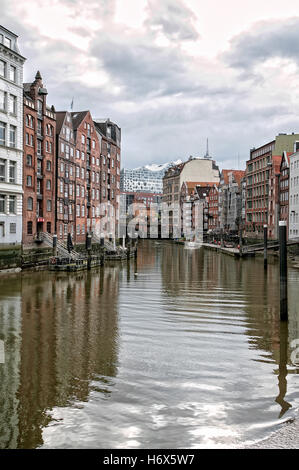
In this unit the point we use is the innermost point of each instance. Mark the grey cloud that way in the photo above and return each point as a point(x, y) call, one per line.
point(188, 108)
point(265, 40)
point(141, 68)
point(173, 18)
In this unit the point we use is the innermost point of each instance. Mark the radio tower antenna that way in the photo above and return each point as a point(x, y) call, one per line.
point(207, 152)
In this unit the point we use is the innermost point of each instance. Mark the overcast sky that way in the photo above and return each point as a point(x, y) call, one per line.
point(170, 73)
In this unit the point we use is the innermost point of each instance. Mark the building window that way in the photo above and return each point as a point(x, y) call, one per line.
point(49, 227)
point(48, 165)
point(2, 169)
point(13, 73)
point(39, 107)
point(12, 204)
point(12, 136)
point(49, 205)
point(30, 204)
point(12, 172)
point(12, 228)
point(13, 104)
point(7, 42)
point(29, 227)
point(2, 133)
point(2, 204)
point(48, 185)
point(2, 100)
point(2, 68)
point(29, 160)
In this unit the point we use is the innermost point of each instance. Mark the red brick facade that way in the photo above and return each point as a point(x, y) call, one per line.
point(38, 162)
point(213, 223)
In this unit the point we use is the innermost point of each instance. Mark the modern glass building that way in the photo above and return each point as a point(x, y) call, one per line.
point(146, 179)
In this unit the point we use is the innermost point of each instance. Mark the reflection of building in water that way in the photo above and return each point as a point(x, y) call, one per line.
point(147, 255)
point(69, 330)
point(10, 333)
point(209, 270)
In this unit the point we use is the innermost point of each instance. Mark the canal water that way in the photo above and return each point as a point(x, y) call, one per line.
point(179, 349)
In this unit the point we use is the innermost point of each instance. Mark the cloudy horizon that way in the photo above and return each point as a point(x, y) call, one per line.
point(170, 73)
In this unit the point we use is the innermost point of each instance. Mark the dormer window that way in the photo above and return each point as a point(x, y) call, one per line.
point(7, 42)
point(39, 107)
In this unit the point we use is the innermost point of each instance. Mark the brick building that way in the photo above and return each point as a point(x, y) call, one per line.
point(109, 136)
point(38, 162)
point(262, 184)
point(65, 209)
point(284, 188)
point(88, 174)
point(213, 219)
point(87, 177)
point(294, 196)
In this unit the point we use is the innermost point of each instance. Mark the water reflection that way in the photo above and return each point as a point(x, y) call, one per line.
point(179, 348)
point(60, 333)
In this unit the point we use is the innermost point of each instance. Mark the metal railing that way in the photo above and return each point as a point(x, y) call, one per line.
point(61, 248)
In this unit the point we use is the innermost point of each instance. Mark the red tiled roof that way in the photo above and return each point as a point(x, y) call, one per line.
point(276, 159)
point(238, 175)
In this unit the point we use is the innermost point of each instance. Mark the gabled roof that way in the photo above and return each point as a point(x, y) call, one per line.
point(77, 118)
point(193, 185)
point(60, 117)
point(286, 157)
point(276, 160)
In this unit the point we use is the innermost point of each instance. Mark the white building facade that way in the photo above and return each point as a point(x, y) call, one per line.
point(11, 138)
point(294, 196)
point(147, 179)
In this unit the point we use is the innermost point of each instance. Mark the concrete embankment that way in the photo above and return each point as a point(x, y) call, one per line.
point(287, 437)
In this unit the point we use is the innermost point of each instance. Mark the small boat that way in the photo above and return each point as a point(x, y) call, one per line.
point(192, 245)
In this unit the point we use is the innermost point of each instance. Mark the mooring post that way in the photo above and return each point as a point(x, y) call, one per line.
point(283, 270)
point(102, 250)
point(128, 248)
point(240, 241)
point(88, 248)
point(54, 244)
point(265, 245)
